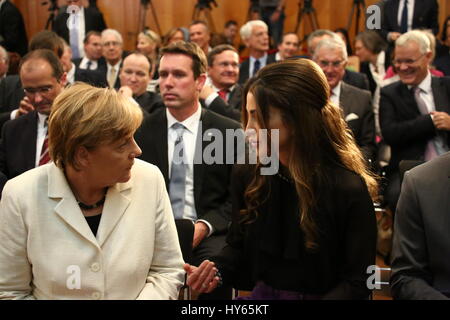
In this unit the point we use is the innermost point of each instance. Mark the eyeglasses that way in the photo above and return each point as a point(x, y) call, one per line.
point(111, 43)
point(407, 62)
point(334, 64)
point(227, 64)
point(41, 90)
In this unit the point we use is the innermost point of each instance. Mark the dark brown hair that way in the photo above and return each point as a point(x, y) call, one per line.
point(192, 50)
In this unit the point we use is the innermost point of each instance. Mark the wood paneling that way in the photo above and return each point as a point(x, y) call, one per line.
point(124, 15)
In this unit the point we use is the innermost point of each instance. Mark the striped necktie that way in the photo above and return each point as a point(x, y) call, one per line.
point(45, 156)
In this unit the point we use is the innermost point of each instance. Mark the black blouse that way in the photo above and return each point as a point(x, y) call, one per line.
point(271, 249)
point(94, 222)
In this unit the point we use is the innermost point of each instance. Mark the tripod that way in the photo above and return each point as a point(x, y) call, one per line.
point(358, 4)
point(145, 4)
point(309, 10)
point(205, 7)
point(53, 9)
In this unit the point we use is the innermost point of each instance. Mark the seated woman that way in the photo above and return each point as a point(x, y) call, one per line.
point(148, 44)
point(309, 231)
point(86, 226)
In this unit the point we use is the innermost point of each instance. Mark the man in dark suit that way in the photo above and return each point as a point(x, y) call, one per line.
point(13, 36)
point(112, 45)
point(353, 78)
point(23, 144)
point(176, 138)
point(87, 19)
point(135, 74)
point(414, 112)
point(421, 246)
point(418, 14)
point(356, 104)
point(93, 59)
point(223, 74)
point(255, 35)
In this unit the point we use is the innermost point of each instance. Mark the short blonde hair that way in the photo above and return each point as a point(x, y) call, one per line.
point(86, 116)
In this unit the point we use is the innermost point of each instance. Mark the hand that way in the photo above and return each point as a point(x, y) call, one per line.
point(394, 35)
point(126, 92)
point(201, 230)
point(25, 106)
point(203, 278)
point(441, 120)
point(206, 91)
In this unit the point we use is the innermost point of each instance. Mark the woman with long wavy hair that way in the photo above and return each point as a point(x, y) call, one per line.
point(309, 231)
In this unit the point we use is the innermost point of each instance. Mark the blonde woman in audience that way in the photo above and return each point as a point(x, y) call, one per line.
point(148, 44)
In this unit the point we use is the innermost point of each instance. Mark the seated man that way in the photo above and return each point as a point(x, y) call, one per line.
point(288, 46)
point(421, 247)
point(414, 112)
point(135, 74)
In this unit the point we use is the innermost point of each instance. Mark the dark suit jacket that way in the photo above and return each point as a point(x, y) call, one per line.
point(92, 77)
point(358, 112)
point(12, 29)
point(425, 16)
point(211, 182)
point(244, 69)
point(421, 245)
point(356, 79)
point(149, 101)
point(93, 20)
point(235, 97)
point(219, 106)
point(11, 93)
point(18, 145)
point(404, 128)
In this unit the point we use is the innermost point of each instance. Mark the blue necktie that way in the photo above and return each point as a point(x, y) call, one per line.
point(74, 36)
point(256, 66)
point(177, 184)
point(404, 19)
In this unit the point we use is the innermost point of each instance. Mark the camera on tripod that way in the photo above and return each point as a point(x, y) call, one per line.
point(206, 4)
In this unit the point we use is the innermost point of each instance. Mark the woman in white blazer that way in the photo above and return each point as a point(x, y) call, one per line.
point(95, 223)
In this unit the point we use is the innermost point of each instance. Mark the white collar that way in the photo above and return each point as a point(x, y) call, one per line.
point(337, 90)
point(191, 123)
point(425, 85)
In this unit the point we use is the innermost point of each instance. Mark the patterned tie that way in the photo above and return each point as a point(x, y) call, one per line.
point(256, 66)
point(223, 94)
point(45, 156)
point(112, 77)
point(73, 37)
point(404, 19)
point(177, 184)
point(430, 150)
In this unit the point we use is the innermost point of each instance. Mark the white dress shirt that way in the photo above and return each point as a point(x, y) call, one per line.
point(401, 5)
point(81, 31)
point(84, 64)
point(335, 94)
point(262, 60)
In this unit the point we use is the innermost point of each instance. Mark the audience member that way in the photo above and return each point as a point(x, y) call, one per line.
point(289, 229)
point(420, 268)
point(414, 112)
point(148, 44)
point(199, 33)
point(112, 45)
point(230, 31)
point(92, 59)
point(4, 63)
point(135, 74)
point(442, 61)
point(356, 104)
point(256, 38)
point(75, 22)
point(13, 36)
point(353, 78)
point(85, 226)
point(288, 46)
point(24, 144)
point(272, 13)
point(169, 138)
point(174, 35)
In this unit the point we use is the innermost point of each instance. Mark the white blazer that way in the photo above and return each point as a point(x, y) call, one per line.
point(48, 251)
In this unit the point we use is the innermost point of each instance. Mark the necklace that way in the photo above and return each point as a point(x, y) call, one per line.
point(85, 206)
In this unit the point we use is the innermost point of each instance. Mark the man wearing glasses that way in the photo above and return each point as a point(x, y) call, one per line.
point(112, 44)
point(356, 104)
point(24, 139)
point(414, 112)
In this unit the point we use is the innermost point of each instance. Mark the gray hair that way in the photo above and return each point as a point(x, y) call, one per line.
point(332, 43)
point(416, 36)
point(113, 32)
point(246, 29)
point(319, 33)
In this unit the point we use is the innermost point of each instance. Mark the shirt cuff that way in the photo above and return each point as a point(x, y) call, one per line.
point(210, 99)
point(14, 113)
point(211, 230)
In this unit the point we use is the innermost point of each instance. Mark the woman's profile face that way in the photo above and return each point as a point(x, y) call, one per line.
point(145, 46)
point(111, 163)
point(258, 139)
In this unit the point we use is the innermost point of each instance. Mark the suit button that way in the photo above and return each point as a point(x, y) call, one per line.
point(95, 267)
point(96, 295)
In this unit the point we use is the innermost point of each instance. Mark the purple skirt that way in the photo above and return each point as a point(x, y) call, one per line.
point(264, 292)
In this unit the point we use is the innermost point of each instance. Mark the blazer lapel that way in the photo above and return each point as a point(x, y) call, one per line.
point(343, 97)
point(67, 208)
point(441, 100)
point(161, 148)
point(199, 166)
point(115, 206)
